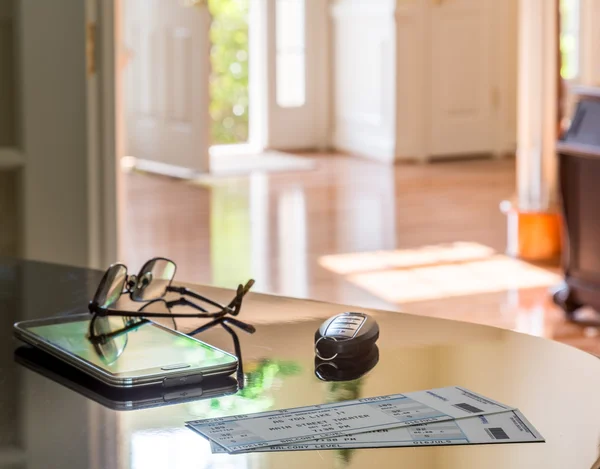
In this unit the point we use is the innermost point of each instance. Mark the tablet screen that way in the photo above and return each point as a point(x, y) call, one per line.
point(144, 347)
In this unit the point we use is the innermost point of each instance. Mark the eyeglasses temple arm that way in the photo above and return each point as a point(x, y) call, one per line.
point(238, 354)
point(236, 344)
point(206, 326)
point(249, 328)
point(236, 303)
point(144, 314)
point(232, 308)
point(193, 294)
point(182, 301)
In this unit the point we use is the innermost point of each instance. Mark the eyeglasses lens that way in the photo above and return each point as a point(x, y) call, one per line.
point(154, 279)
point(111, 286)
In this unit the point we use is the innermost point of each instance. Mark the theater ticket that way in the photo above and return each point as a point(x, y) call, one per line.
point(505, 427)
point(287, 426)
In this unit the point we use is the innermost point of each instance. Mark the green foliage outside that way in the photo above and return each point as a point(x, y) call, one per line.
point(569, 39)
point(344, 391)
point(261, 377)
point(229, 79)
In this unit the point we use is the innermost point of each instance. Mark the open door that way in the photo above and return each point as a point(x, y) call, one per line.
point(166, 82)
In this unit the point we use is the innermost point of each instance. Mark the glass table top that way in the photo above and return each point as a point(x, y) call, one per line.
point(44, 423)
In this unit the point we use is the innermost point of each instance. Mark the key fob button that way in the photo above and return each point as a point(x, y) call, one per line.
point(340, 324)
point(346, 335)
point(348, 323)
point(340, 333)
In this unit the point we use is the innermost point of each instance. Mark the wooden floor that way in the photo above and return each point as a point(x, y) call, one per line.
point(277, 228)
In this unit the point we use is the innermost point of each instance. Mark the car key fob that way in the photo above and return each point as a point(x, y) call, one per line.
point(346, 335)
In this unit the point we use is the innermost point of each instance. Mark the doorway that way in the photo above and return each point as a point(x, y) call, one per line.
point(185, 83)
point(166, 85)
point(229, 79)
point(222, 78)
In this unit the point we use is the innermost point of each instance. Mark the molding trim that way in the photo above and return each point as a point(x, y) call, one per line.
point(537, 106)
point(373, 147)
point(165, 169)
point(106, 249)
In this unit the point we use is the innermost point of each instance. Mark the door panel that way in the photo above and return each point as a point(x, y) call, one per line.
point(461, 107)
point(303, 126)
point(167, 82)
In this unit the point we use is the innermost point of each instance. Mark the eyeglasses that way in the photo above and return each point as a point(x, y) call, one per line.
point(150, 286)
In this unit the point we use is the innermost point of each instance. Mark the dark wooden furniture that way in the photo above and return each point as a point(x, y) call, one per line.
point(44, 424)
point(579, 176)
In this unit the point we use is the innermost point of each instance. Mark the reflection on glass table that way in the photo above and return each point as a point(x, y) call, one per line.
point(155, 438)
point(119, 399)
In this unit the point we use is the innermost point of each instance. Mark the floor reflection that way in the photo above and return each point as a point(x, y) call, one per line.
point(438, 272)
point(339, 232)
point(173, 447)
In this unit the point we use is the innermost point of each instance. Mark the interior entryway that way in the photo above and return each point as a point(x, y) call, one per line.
point(166, 82)
point(223, 77)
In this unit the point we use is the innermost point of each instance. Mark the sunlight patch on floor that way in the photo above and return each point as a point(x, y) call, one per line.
point(436, 272)
point(352, 263)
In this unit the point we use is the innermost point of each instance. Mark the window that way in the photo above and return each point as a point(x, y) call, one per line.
point(291, 53)
point(569, 38)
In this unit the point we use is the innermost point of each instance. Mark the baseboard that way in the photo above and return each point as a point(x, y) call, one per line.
point(163, 169)
point(373, 148)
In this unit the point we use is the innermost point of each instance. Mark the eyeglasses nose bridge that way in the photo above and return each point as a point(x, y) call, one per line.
point(144, 280)
point(131, 282)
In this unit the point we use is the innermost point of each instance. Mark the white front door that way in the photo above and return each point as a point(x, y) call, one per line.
point(166, 91)
point(462, 115)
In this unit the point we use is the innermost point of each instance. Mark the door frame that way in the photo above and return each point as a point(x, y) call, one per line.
point(105, 136)
point(106, 119)
point(67, 132)
point(270, 124)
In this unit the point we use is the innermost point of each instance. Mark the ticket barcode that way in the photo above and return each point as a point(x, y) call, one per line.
point(497, 433)
point(468, 408)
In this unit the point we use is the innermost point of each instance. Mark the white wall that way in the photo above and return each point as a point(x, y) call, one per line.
point(382, 77)
point(363, 79)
